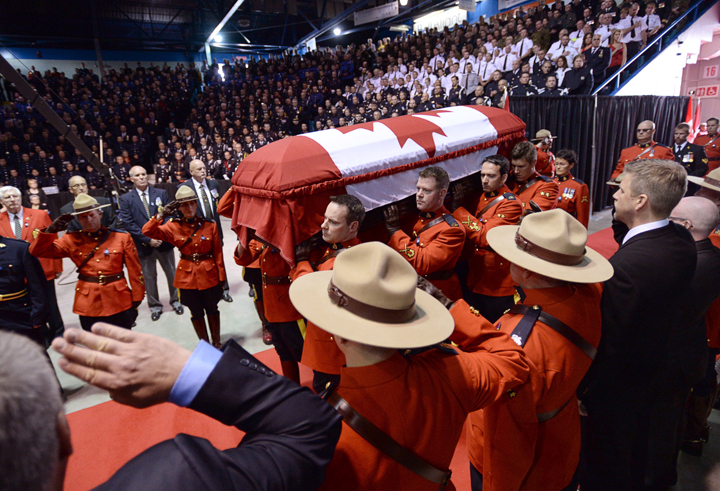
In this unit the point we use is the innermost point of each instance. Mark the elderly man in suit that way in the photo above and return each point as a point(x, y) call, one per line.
point(136, 208)
point(18, 222)
point(288, 427)
point(641, 306)
point(208, 193)
point(77, 185)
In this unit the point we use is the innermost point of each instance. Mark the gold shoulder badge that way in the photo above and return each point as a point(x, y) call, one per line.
point(35, 233)
point(584, 199)
point(409, 252)
point(511, 393)
point(2, 246)
point(142, 280)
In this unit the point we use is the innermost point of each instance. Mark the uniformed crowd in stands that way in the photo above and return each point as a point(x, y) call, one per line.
point(163, 117)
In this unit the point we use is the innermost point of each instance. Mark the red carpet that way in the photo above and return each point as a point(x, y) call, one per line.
point(108, 435)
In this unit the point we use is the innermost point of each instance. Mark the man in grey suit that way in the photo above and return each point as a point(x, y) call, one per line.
point(77, 185)
point(207, 191)
point(136, 208)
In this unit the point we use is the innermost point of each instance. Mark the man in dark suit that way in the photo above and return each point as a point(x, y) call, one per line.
point(77, 185)
point(136, 208)
point(689, 355)
point(598, 60)
point(208, 193)
point(288, 427)
point(689, 155)
point(641, 305)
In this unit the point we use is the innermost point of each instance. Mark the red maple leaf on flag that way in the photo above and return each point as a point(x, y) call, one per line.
point(405, 128)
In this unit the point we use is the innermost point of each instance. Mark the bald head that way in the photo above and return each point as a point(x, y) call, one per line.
point(645, 132)
point(77, 185)
point(197, 170)
point(699, 214)
point(138, 176)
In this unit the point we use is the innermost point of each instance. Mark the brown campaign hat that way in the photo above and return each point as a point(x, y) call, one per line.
point(371, 297)
point(710, 181)
point(542, 134)
point(184, 194)
point(553, 244)
point(84, 203)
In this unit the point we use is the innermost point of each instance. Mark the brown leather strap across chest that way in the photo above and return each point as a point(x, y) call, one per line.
point(480, 213)
point(275, 280)
point(430, 224)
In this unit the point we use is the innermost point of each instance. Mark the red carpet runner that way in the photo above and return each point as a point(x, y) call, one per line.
point(108, 435)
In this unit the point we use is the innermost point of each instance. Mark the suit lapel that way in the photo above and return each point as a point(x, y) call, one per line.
point(137, 199)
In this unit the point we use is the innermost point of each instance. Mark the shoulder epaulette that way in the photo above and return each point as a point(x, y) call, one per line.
point(509, 196)
point(546, 178)
point(578, 180)
point(16, 241)
point(450, 220)
point(117, 230)
point(661, 145)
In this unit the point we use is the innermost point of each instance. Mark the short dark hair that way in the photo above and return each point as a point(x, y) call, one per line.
point(355, 208)
point(567, 154)
point(525, 151)
point(501, 162)
point(713, 119)
point(682, 126)
point(439, 174)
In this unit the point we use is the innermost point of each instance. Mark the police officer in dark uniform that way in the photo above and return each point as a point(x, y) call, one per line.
point(579, 80)
point(689, 155)
point(524, 88)
point(23, 297)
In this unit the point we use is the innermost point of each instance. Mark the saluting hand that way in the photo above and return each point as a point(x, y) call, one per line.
point(137, 369)
point(60, 223)
point(392, 219)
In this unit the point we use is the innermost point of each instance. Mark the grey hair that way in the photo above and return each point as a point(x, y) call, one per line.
point(5, 189)
point(29, 407)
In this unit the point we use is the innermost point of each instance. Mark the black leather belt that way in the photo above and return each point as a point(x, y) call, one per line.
point(196, 257)
point(275, 280)
point(102, 279)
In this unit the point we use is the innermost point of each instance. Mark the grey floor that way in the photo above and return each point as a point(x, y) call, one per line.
point(240, 322)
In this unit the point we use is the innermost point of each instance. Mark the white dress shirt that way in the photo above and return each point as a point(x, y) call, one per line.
point(645, 227)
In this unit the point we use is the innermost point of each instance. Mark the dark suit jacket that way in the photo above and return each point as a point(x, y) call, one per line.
point(108, 215)
point(134, 216)
point(688, 340)
point(641, 305)
point(598, 62)
point(291, 436)
point(213, 186)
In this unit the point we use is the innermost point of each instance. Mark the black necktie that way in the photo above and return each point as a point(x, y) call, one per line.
point(505, 63)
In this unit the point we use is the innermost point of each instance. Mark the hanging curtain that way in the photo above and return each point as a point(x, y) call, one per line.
point(571, 118)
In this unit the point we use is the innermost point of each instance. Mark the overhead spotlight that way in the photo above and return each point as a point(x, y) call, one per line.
point(218, 38)
point(337, 31)
point(403, 3)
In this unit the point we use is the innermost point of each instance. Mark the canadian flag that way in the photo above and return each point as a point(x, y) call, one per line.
point(282, 189)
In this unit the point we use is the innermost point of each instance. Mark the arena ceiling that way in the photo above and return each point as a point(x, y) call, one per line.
point(184, 25)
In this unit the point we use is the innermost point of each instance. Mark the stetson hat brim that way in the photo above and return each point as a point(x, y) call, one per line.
point(594, 267)
point(431, 324)
point(701, 182)
point(90, 208)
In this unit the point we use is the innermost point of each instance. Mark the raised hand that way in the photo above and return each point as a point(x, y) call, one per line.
point(392, 219)
point(60, 223)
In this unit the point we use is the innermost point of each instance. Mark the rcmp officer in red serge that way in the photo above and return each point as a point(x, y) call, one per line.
point(528, 185)
point(419, 398)
point(102, 293)
point(530, 439)
point(283, 321)
point(201, 269)
point(27, 227)
point(574, 194)
point(343, 218)
point(436, 241)
point(491, 288)
point(711, 143)
point(545, 165)
point(645, 148)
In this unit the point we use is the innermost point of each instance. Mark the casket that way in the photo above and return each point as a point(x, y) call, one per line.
point(281, 190)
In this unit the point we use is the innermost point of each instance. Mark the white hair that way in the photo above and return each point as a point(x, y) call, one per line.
point(29, 407)
point(5, 189)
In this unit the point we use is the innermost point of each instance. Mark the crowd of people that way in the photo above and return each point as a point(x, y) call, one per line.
point(162, 117)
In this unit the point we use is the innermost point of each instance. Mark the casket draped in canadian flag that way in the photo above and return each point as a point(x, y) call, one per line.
point(281, 190)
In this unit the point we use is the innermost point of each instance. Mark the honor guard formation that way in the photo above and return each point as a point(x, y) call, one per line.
point(481, 314)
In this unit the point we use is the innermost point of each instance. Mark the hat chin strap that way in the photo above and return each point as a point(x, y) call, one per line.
point(367, 311)
point(547, 254)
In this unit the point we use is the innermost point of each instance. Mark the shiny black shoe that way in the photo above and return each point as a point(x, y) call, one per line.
point(155, 315)
point(692, 447)
point(226, 296)
point(179, 310)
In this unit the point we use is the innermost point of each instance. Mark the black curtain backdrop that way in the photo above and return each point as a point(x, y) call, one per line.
point(599, 134)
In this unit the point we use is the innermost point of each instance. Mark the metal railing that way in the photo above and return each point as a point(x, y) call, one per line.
point(655, 47)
